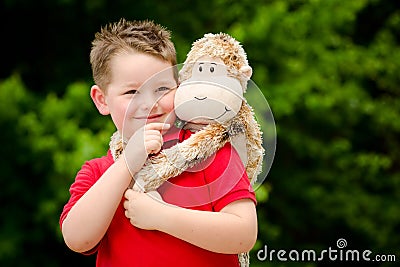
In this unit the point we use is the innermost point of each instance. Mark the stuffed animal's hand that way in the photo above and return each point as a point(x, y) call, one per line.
point(147, 140)
point(144, 209)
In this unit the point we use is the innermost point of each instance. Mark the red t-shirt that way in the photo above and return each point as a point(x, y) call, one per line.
point(209, 187)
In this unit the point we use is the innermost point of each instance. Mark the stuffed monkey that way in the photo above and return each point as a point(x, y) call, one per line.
point(213, 81)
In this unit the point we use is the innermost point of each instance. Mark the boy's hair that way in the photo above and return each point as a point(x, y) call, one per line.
point(126, 36)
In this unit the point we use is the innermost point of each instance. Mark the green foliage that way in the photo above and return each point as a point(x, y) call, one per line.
point(44, 144)
point(328, 68)
point(337, 107)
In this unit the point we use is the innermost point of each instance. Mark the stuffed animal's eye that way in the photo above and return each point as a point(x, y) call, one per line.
point(211, 69)
point(200, 68)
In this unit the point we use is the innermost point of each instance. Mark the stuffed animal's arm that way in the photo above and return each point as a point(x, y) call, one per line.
point(255, 150)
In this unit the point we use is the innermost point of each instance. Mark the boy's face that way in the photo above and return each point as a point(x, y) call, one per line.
point(141, 91)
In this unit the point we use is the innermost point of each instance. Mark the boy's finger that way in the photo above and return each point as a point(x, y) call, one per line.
point(137, 188)
point(155, 133)
point(128, 193)
point(157, 126)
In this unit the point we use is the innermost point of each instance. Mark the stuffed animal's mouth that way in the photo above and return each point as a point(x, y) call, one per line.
point(225, 111)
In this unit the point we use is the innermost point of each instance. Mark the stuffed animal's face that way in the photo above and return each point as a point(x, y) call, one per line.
point(209, 94)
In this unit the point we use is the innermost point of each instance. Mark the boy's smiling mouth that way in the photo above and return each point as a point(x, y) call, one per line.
point(148, 117)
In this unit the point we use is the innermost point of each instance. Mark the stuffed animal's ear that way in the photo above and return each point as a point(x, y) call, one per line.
point(247, 71)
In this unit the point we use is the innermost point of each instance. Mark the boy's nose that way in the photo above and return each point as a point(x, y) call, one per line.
point(149, 102)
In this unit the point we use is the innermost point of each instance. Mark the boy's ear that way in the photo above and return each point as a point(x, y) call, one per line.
point(98, 97)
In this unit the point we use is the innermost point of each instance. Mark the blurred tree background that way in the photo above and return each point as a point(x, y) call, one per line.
point(329, 70)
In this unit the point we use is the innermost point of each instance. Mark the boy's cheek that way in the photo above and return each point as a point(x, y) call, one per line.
point(167, 102)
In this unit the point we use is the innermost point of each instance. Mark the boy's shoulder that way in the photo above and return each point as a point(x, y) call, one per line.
point(102, 159)
point(99, 165)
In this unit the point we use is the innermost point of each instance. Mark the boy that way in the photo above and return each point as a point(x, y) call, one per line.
point(124, 56)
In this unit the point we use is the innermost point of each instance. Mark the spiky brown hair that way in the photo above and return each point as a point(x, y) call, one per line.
point(127, 36)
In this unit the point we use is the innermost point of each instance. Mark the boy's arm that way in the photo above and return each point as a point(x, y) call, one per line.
point(232, 230)
point(90, 217)
point(88, 220)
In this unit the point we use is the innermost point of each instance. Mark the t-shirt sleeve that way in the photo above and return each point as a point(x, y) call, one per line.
point(86, 177)
point(227, 179)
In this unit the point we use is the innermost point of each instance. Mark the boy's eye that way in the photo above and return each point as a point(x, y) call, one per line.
point(131, 92)
point(163, 89)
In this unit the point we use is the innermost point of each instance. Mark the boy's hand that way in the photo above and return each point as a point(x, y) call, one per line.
point(143, 209)
point(147, 140)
